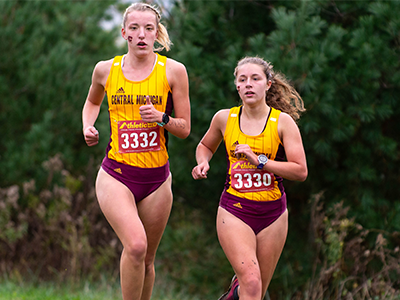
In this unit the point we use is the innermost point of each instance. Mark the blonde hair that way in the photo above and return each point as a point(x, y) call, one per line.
point(163, 37)
point(281, 95)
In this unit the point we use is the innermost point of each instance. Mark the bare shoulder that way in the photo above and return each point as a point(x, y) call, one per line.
point(220, 119)
point(216, 132)
point(284, 117)
point(222, 115)
point(176, 72)
point(175, 65)
point(103, 67)
point(100, 72)
point(287, 125)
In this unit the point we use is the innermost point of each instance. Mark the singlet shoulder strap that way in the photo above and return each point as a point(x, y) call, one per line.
point(274, 115)
point(115, 64)
point(161, 60)
point(232, 118)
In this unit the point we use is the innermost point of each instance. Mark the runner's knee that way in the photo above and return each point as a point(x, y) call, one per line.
point(251, 283)
point(136, 250)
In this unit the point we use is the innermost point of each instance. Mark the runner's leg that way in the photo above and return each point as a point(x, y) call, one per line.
point(118, 206)
point(154, 212)
point(270, 242)
point(239, 243)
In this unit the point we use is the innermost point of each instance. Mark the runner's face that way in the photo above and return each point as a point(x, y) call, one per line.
point(140, 31)
point(251, 83)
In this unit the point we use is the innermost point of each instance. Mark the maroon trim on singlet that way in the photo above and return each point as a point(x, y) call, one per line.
point(140, 181)
point(280, 156)
point(266, 122)
point(170, 104)
point(110, 139)
point(258, 215)
point(228, 176)
point(168, 110)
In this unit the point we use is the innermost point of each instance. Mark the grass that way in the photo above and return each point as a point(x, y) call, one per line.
point(10, 290)
point(13, 290)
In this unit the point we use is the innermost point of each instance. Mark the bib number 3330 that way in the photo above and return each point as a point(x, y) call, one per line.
point(246, 178)
point(138, 136)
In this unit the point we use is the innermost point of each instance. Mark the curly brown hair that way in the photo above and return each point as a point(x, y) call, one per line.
point(281, 95)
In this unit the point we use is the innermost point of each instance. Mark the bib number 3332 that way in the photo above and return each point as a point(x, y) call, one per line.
point(138, 136)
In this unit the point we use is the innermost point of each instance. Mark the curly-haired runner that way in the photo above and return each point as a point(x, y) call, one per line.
point(263, 146)
point(133, 185)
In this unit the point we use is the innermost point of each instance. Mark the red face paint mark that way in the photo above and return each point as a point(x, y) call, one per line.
point(130, 38)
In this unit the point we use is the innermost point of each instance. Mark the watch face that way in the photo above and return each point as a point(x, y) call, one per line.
point(262, 159)
point(165, 118)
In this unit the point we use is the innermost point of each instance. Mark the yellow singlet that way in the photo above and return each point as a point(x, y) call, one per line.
point(133, 141)
point(244, 180)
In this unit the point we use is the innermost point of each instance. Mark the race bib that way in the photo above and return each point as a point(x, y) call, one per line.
point(138, 136)
point(246, 178)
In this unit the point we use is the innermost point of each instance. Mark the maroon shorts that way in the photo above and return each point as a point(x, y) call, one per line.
point(256, 214)
point(140, 181)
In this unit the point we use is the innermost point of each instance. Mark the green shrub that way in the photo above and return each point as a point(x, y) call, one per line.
point(351, 261)
point(57, 232)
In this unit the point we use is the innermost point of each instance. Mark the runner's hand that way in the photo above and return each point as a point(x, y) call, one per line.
point(149, 113)
point(200, 171)
point(91, 136)
point(245, 150)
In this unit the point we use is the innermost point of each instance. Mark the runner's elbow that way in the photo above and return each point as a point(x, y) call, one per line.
point(183, 134)
point(302, 176)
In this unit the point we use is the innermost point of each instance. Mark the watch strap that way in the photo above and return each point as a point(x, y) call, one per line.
point(165, 120)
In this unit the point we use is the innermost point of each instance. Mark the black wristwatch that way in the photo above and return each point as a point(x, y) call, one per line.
point(262, 160)
point(165, 120)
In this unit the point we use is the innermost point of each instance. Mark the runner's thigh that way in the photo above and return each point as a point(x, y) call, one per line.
point(118, 206)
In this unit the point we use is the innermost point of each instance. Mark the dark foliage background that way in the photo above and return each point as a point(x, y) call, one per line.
point(342, 56)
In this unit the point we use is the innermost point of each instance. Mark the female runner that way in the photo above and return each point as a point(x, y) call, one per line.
point(133, 185)
point(252, 219)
